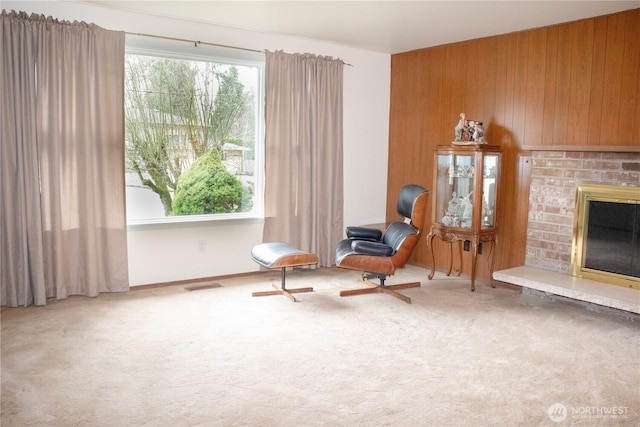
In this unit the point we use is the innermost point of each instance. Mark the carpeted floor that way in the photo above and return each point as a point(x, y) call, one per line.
point(218, 357)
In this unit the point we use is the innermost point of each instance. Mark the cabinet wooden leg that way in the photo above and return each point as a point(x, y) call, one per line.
point(493, 262)
point(474, 256)
point(450, 259)
point(433, 258)
point(459, 270)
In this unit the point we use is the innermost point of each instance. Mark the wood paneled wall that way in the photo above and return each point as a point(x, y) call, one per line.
point(574, 84)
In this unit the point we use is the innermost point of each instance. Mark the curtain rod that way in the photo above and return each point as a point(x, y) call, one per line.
point(197, 42)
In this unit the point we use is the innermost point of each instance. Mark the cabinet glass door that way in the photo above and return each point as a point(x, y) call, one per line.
point(455, 184)
point(489, 177)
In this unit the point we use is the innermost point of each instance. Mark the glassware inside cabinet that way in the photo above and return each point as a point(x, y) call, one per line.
point(455, 184)
point(489, 177)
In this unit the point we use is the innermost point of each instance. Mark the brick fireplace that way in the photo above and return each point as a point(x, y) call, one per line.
point(554, 179)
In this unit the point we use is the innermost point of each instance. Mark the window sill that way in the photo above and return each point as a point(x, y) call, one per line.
point(194, 221)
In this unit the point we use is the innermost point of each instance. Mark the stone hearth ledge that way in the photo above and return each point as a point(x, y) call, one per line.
point(613, 296)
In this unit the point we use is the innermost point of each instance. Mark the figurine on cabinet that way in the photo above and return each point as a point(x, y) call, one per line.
point(468, 132)
point(461, 127)
point(478, 132)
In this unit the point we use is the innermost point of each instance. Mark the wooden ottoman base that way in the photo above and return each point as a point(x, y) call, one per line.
point(282, 255)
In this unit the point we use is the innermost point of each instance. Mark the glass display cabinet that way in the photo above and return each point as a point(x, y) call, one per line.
point(464, 207)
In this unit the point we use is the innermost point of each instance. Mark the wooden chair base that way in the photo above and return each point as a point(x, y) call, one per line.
point(281, 291)
point(389, 290)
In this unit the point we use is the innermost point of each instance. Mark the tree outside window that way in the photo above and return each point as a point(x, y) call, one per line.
point(190, 136)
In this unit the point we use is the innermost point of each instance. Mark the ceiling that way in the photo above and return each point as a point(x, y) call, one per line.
point(380, 26)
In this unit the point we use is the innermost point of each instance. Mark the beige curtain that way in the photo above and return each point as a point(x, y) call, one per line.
point(62, 196)
point(303, 159)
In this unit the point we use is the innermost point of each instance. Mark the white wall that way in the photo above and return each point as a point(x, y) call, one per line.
point(161, 253)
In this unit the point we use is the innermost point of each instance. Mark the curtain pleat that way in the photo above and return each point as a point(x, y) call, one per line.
point(63, 200)
point(303, 161)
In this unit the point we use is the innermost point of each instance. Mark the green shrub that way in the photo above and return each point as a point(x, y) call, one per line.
point(207, 187)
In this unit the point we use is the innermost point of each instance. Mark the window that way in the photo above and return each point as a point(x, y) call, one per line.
point(193, 126)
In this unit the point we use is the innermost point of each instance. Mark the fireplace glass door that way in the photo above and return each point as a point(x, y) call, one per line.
point(606, 234)
point(613, 238)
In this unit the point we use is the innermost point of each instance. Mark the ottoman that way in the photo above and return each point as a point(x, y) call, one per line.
point(282, 255)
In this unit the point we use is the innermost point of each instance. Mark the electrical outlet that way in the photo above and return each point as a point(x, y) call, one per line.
point(467, 246)
point(202, 245)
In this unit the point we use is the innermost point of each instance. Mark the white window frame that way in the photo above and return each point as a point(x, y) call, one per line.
point(144, 45)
